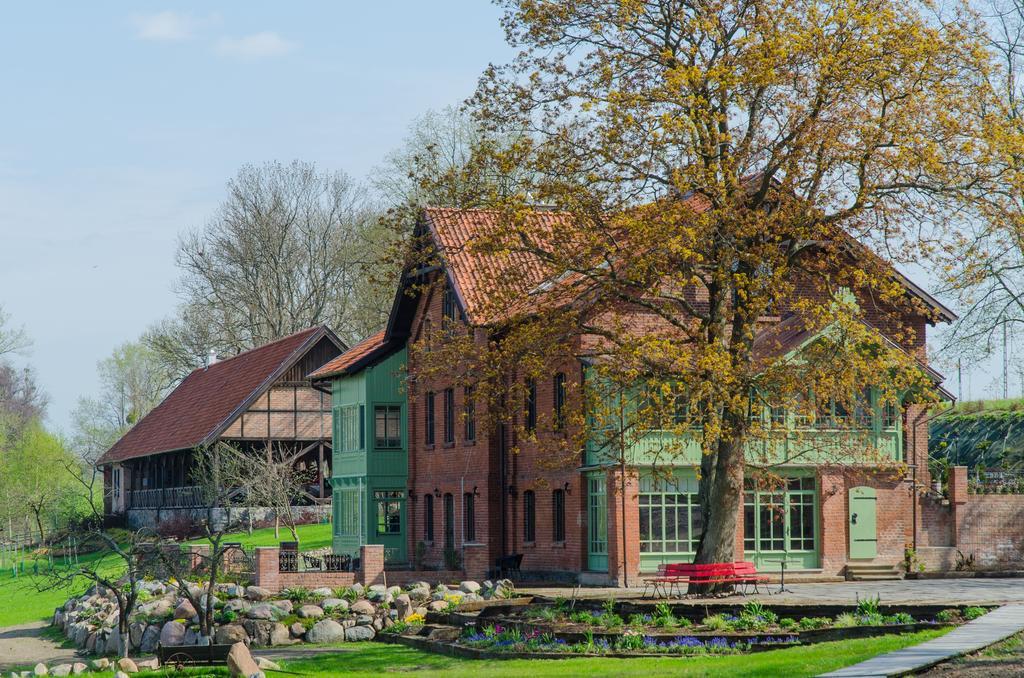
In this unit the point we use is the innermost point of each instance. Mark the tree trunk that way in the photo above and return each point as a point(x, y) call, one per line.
point(718, 544)
point(39, 524)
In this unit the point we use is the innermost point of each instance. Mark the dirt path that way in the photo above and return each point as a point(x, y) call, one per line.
point(23, 645)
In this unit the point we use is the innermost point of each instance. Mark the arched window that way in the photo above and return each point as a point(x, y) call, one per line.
point(529, 516)
point(428, 517)
point(558, 515)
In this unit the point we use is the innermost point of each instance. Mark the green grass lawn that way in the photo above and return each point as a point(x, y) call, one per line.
point(310, 537)
point(373, 659)
point(22, 602)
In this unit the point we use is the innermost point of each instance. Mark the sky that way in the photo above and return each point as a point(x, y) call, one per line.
point(120, 124)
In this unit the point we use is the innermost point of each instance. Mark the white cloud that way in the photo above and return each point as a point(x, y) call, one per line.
point(255, 46)
point(165, 26)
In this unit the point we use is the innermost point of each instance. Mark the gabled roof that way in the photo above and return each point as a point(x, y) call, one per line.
point(356, 358)
point(210, 398)
point(469, 269)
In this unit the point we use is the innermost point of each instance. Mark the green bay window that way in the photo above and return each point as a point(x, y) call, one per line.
point(351, 428)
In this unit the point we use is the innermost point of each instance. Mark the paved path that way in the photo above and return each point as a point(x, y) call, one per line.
point(970, 637)
point(920, 591)
point(23, 645)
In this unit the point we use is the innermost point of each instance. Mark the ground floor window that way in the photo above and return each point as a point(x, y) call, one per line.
point(670, 515)
point(347, 518)
point(781, 521)
point(389, 511)
point(597, 523)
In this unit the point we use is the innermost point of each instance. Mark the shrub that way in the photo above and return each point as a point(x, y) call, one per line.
point(869, 606)
point(972, 613)
point(717, 622)
point(812, 623)
point(946, 616)
point(899, 618)
point(179, 527)
point(787, 623)
point(845, 620)
point(297, 594)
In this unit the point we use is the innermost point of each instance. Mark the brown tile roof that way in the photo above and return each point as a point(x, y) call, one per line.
point(354, 358)
point(210, 398)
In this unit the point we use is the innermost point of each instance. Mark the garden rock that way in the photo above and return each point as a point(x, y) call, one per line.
point(157, 609)
point(326, 631)
point(135, 631)
point(78, 668)
point(297, 630)
point(358, 589)
point(361, 607)
point(262, 611)
point(61, 670)
point(172, 634)
point(359, 633)
point(40, 670)
point(241, 663)
point(185, 610)
point(286, 606)
point(279, 635)
point(150, 637)
point(437, 605)
point(120, 674)
point(257, 593)
point(101, 664)
point(364, 619)
point(403, 606)
point(127, 665)
point(469, 587)
point(420, 591)
point(259, 631)
point(267, 665)
point(229, 634)
point(323, 592)
point(334, 604)
point(310, 611)
point(149, 664)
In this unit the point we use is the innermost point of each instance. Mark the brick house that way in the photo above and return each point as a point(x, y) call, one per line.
point(254, 399)
point(467, 498)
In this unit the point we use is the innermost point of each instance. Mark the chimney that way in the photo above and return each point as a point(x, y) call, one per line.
point(211, 358)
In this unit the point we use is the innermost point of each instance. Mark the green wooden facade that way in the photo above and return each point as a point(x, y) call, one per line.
point(371, 459)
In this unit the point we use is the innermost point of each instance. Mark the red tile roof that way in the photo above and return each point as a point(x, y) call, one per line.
point(210, 398)
point(473, 271)
point(365, 350)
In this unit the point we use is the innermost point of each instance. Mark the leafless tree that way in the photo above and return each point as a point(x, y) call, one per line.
point(12, 339)
point(273, 480)
point(290, 247)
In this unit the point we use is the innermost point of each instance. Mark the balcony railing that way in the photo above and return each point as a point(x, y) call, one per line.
point(167, 497)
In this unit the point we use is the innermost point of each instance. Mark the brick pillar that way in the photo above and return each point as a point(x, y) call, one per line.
point(957, 498)
point(623, 553)
point(198, 556)
point(371, 564)
point(267, 568)
point(476, 562)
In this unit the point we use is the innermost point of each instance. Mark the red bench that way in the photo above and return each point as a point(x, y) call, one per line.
point(671, 575)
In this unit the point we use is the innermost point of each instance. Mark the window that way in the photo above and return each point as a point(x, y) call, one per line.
point(529, 516)
point(389, 511)
point(890, 414)
point(428, 517)
point(469, 408)
point(430, 418)
point(449, 309)
point(351, 423)
point(780, 520)
point(558, 515)
point(559, 400)
point(531, 405)
point(348, 512)
point(469, 516)
point(449, 521)
point(670, 517)
point(449, 415)
point(387, 426)
point(778, 416)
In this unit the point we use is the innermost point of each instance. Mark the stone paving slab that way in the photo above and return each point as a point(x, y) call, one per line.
point(971, 637)
point(952, 592)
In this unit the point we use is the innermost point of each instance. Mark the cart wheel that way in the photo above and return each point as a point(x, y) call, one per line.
point(178, 661)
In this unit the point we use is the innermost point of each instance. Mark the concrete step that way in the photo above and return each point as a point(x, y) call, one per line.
point(873, 572)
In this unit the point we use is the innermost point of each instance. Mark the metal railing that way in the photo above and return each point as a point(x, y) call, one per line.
point(188, 496)
point(996, 481)
point(314, 561)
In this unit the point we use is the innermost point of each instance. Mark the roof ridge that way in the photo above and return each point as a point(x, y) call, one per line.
point(274, 342)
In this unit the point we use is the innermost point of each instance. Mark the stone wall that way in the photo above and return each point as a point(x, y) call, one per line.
point(151, 518)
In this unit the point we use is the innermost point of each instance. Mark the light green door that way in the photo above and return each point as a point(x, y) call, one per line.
point(863, 523)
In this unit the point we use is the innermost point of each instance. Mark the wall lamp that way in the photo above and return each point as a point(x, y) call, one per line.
point(437, 492)
point(567, 488)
